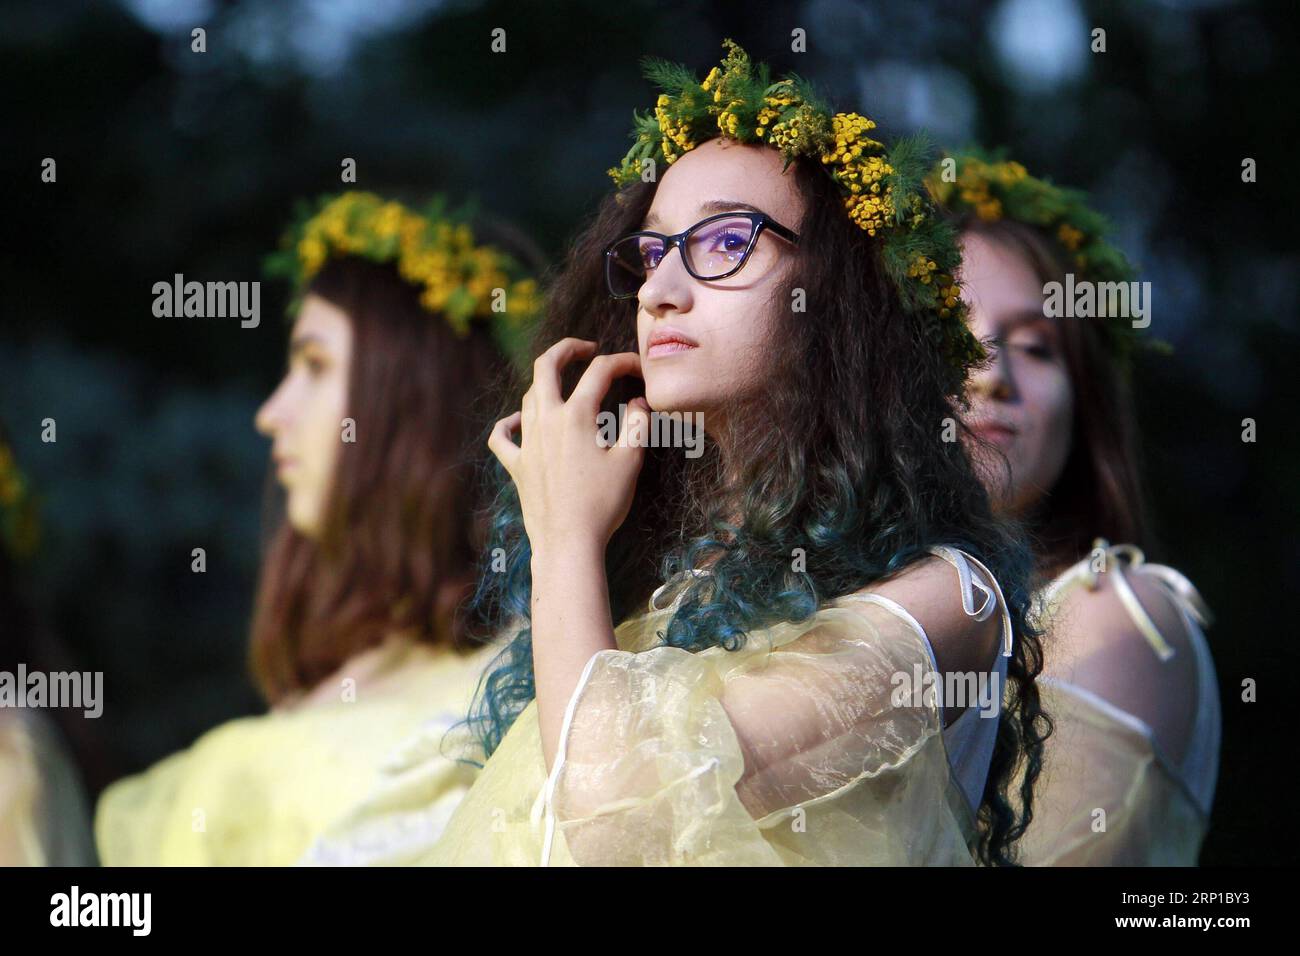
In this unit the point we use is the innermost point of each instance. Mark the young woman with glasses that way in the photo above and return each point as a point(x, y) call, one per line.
point(733, 659)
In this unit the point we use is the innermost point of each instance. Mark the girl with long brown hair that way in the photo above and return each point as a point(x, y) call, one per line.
point(1130, 768)
point(359, 640)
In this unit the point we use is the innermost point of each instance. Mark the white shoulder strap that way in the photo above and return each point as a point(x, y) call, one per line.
point(993, 599)
point(1114, 558)
point(1182, 591)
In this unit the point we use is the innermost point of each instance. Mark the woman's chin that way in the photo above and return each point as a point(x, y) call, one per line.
point(302, 518)
point(666, 396)
point(669, 400)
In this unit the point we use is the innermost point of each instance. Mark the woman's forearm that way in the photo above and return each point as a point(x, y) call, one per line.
point(571, 622)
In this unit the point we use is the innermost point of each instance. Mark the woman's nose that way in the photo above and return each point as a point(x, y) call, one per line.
point(994, 378)
point(267, 419)
point(668, 287)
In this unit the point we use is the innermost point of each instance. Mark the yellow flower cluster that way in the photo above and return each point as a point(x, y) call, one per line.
point(11, 479)
point(773, 104)
point(849, 130)
point(1070, 237)
point(945, 293)
point(727, 84)
point(796, 134)
point(457, 278)
point(869, 212)
point(730, 78)
point(976, 178)
point(920, 268)
point(20, 527)
point(728, 121)
point(1010, 173)
point(677, 138)
point(869, 202)
point(986, 207)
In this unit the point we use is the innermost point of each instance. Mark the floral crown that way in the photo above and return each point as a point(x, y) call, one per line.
point(883, 187)
point(991, 188)
point(20, 527)
point(433, 249)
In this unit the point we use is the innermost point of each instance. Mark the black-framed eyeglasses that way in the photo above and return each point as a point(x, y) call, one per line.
point(713, 248)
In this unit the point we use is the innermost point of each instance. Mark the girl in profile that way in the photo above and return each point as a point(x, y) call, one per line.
point(359, 641)
point(1130, 767)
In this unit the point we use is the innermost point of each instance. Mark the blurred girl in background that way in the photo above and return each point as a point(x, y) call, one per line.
point(1128, 681)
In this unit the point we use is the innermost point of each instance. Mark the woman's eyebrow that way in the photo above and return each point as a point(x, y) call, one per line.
point(300, 342)
point(1015, 320)
point(726, 205)
point(708, 209)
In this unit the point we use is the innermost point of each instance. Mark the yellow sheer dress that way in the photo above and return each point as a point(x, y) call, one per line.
point(265, 790)
point(1112, 792)
point(798, 749)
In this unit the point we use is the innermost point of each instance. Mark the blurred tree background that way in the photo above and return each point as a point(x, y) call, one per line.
point(171, 161)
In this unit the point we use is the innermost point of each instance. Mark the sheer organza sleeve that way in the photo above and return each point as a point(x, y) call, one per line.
point(1105, 796)
point(807, 746)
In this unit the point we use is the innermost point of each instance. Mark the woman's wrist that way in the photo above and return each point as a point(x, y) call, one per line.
point(574, 553)
point(567, 579)
point(570, 592)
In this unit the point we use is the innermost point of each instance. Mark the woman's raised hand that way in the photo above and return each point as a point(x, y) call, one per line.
point(572, 489)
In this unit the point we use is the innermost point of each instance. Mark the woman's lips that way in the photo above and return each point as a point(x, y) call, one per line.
point(995, 433)
point(667, 348)
point(668, 341)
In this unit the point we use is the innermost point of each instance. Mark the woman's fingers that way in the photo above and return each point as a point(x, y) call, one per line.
point(528, 406)
point(547, 368)
point(637, 416)
point(600, 375)
point(502, 445)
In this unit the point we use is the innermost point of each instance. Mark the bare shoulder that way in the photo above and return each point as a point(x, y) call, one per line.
point(1095, 641)
point(1092, 621)
point(931, 591)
